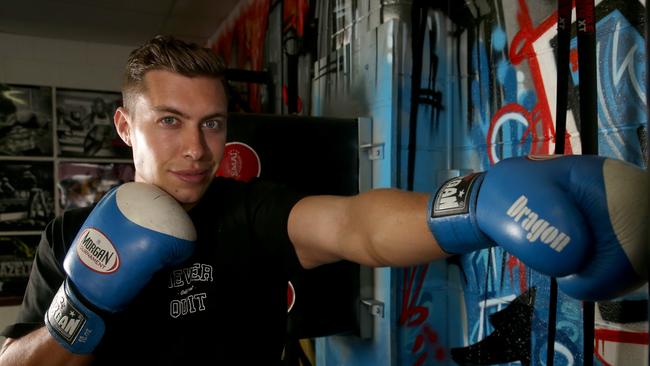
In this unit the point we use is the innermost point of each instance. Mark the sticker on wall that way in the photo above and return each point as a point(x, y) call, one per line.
point(240, 161)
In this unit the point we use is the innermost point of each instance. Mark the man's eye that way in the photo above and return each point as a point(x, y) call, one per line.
point(168, 120)
point(214, 124)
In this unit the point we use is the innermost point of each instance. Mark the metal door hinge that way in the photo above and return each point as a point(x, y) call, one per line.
point(374, 307)
point(375, 151)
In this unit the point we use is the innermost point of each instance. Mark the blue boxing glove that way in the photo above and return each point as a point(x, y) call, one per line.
point(133, 232)
point(559, 215)
point(616, 205)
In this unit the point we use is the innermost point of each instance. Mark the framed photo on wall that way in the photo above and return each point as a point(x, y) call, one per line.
point(16, 257)
point(82, 184)
point(85, 124)
point(26, 195)
point(25, 120)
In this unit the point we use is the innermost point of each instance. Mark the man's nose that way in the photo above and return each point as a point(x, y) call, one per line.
point(193, 144)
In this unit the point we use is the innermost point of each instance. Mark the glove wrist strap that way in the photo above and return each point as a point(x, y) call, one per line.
point(452, 215)
point(73, 324)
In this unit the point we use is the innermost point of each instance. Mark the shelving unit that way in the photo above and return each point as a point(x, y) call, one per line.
point(53, 155)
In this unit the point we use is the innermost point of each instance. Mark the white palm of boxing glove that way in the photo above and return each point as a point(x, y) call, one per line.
point(618, 262)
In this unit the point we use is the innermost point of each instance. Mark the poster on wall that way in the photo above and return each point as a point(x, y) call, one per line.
point(82, 184)
point(25, 120)
point(85, 124)
point(239, 41)
point(16, 257)
point(26, 195)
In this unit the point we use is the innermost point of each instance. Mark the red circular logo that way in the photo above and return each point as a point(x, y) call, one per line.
point(291, 296)
point(239, 162)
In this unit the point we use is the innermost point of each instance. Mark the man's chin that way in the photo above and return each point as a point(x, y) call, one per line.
point(187, 203)
point(187, 198)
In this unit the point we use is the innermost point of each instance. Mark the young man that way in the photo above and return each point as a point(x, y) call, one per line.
point(251, 237)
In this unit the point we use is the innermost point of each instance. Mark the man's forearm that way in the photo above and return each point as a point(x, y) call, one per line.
point(396, 223)
point(39, 348)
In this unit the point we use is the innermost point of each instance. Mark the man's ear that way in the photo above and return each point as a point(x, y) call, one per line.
point(123, 125)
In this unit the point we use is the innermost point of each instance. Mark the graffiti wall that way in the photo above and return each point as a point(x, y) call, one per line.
point(488, 91)
point(496, 310)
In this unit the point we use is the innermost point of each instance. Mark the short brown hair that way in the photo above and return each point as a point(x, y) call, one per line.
point(172, 54)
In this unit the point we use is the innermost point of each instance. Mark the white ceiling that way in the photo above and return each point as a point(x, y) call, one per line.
point(122, 22)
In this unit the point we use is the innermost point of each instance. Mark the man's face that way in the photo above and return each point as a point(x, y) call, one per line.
point(177, 130)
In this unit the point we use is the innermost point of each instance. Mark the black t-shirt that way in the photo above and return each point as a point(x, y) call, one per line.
point(227, 302)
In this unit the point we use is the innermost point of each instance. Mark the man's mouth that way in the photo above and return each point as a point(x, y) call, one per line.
point(191, 175)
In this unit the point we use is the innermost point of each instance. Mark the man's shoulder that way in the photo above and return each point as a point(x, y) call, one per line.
point(70, 220)
point(77, 213)
point(226, 187)
point(226, 194)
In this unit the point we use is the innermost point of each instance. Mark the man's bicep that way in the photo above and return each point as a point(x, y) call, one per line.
point(326, 229)
point(316, 226)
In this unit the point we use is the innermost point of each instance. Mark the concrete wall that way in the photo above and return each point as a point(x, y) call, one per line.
point(60, 63)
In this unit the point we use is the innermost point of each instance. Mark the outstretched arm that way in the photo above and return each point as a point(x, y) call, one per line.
point(383, 227)
point(577, 218)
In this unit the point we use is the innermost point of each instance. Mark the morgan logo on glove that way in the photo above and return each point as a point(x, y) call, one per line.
point(453, 196)
point(97, 252)
point(64, 318)
point(537, 227)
